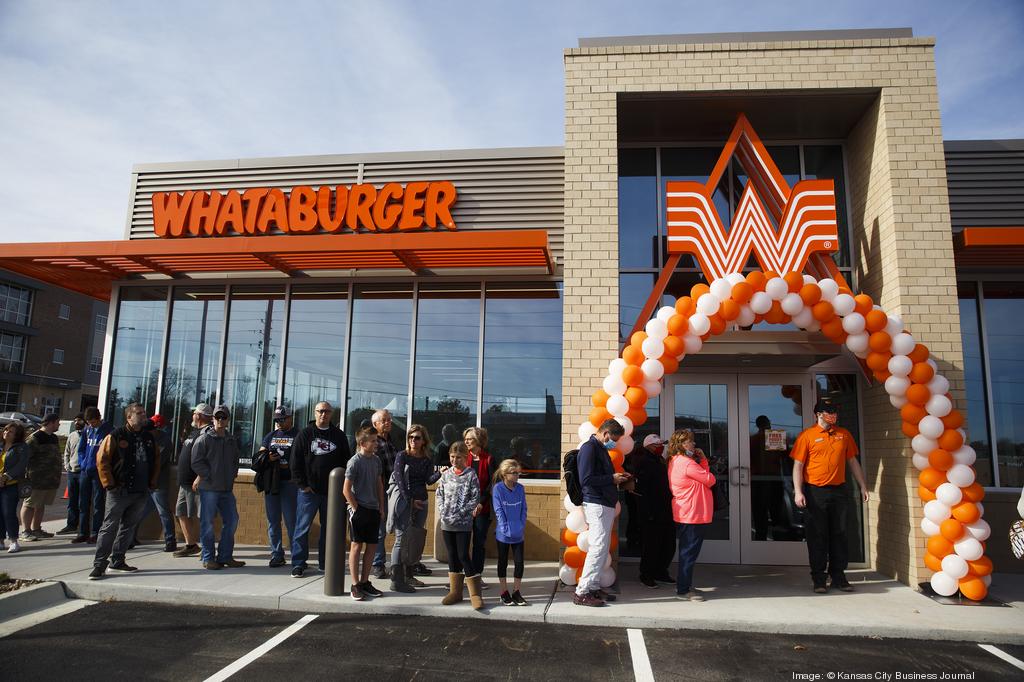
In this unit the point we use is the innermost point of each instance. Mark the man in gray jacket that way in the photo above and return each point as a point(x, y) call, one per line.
point(215, 461)
point(73, 470)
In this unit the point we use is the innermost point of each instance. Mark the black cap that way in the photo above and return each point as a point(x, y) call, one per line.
point(281, 413)
point(825, 405)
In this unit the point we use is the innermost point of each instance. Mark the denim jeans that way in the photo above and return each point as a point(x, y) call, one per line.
point(9, 512)
point(213, 503)
point(90, 491)
point(124, 511)
point(381, 553)
point(412, 517)
point(158, 501)
point(282, 504)
point(690, 537)
point(73, 502)
point(308, 506)
point(480, 525)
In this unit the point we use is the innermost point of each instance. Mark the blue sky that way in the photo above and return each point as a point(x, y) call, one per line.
point(90, 88)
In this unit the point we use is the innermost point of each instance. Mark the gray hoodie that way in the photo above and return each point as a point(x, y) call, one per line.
point(215, 460)
point(457, 496)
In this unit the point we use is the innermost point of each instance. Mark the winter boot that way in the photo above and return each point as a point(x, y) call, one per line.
point(473, 582)
point(454, 595)
point(398, 583)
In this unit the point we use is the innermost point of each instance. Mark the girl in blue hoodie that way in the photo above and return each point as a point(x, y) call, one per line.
point(509, 504)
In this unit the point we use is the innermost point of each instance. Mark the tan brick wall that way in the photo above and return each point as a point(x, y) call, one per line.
point(900, 220)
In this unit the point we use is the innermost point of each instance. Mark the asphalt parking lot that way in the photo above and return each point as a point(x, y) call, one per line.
point(119, 640)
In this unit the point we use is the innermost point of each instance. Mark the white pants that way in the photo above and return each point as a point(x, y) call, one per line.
point(600, 519)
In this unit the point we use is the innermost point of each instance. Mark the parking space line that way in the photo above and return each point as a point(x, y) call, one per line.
point(262, 649)
point(638, 650)
point(999, 653)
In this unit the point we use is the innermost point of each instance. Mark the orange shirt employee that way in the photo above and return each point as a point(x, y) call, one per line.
point(821, 455)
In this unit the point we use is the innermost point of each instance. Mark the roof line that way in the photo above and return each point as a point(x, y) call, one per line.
point(749, 37)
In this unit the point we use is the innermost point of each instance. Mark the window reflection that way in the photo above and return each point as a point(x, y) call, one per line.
point(638, 209)
point(522, 384)
point(317, 329)
point(633, 292)
point(704, 409)
point(841, 389)
point(138, 340)
point(1004, 327)
point(826, 161)
point(974, 377)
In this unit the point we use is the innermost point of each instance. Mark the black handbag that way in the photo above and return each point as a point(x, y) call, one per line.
point(719, 496)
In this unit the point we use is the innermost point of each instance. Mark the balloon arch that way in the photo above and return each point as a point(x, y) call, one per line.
point(955, 549)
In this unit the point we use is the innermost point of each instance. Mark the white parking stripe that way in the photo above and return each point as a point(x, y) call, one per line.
point(262, 649)
point(638, 650)
point(1015, 662)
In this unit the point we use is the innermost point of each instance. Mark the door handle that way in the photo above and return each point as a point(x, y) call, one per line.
point(735, 481)
point(744, 475)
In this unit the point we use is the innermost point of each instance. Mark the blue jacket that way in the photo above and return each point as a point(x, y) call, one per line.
point(89, 444)
point(596, 471)
point(509, 512)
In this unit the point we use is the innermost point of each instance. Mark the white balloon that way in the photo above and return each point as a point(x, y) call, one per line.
point(734, 278)
point(708, 304)
point(804, 318)
point(843, 304)
point(897, 385)
point(576, 521)
point(969, 548)
point(607, 560)
point(923, 445)
point(939, 406)
point(934, 365)
point(760, 303)
point(929, 529)
point(939, 385)
point(981, 508)
point(965, 455)
point(853, 323)
point(586, 430)
point(613, 384)
point(607, 577)
point(583, 541)
point(898, 401)
point(900, 366)
point(721, 288)
point(903, 344)
point(792, 304)
point(625, 445)
point(656, 329)
point(936, 512)
point(699, 324)
point(931, 427)
point(979, 530)
point(616, 366)
point(652, 369)
point(746, 316)
point(618, 509)
point(954, 566)
point(894, 326)
point(652, 347)
point(920, 461)
point(665, 313)
point(809, 280)
point(627, 424)
point(949, 494)
point(776, 288)
point(567, 574)
point(692, 343)
point(651, 388)
point(617, 405)
point(568, 504)
point(857, 343)
point(829, 289)
point(987, 579)
point(944, 584)
point(961, 475)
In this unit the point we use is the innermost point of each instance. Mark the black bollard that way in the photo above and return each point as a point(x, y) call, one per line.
point(334, 562)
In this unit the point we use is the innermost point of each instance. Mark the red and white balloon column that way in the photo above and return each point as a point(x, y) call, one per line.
point(952, 498)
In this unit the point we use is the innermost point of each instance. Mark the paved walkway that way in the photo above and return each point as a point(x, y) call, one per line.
point(739, 598)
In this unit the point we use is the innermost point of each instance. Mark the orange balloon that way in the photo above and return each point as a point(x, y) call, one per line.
point(810, 294)
point(599, 416)
point(931, 478)
point(770, 274)
point(833, 329)
point(776, 315)
point(966, 512)
point(638, 338)
point(937, 546)
point(729, 310)
point(880, 342)
point(919, 354)
point(974, 492)
point(741, 292)
point(913, 413)
point(637, 415)
point(954, 420)
point(698, 290)
point(685, 306)
point(863, 304)
point(951, 529)
point(633, 375)
point(878, 361)
point(569, 538)
point(678, 324)
point(973, 588)
point(757, 280)
point(717, 325)
point(982, 566)
point(845, 290)
point(674, 346)
point(794, 280)
point(918, 394)
point(823, 311)
point(574, 556)
point(921, 373)
point(881, 375)
point(940, 460)
point(579, 572)
point(925, 494)
point(670, 363)
point(875, 321)
point(633, 355)
point(910, 430)
point(636, 396)
point(618, 468)
point(599, 398)
point(933, 563)
point(613, 542)
point(951, 440)
point(616, 456)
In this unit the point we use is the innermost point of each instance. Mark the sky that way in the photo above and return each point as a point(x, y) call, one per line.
point(88, 89)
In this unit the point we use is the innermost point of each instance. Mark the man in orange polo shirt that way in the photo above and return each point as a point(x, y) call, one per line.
point(820, 457)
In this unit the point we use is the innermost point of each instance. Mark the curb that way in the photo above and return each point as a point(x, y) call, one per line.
point(32, 598)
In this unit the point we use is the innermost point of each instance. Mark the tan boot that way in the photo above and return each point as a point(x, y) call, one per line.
point(473, 582)
point(454, 595)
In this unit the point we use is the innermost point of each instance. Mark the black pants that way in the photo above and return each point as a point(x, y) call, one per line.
point(657, 546)
point(825, 528)
point(457, 544)
point(517, 557)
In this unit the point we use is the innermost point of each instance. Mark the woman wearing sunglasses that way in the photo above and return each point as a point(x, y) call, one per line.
point(407, 507)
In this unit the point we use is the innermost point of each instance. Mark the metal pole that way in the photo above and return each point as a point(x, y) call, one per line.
point(334, 563)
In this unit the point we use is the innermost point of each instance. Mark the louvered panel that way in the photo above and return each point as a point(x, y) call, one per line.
point(986, 183)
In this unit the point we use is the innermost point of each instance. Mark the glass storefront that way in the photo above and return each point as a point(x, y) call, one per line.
point(138, 343)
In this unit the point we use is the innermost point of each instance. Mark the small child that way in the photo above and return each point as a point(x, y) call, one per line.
point(509, 504)
point(458, 495)
point(364, 493)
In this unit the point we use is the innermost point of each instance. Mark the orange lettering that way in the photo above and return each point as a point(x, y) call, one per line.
point(252, 198)
point(274, 210)
point(301, 214)
point(169, 211)
point(359, 205)
point(202, 213)
point(440, 197)
point(323, 207)
point(230, 214)
point(412, 204)
point(384, 215)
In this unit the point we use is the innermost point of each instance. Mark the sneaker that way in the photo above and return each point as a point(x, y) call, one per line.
point(647, 581)
point(42, 534)
point(518, 599)
point(212, 566)
point(27, 536)
point(369, 589)
point(357, 594)
point(820, 589)
point(276, 562)
point(483, 585)
point(379, 572)
point(170, 546)
point(232, 563)
point(415, 582)
point(602, 595)
point(97, 572)
point(187, 550)
point(586, 600)
point(122, 566)
point(420, 569)
point(14, 548)
point(694, 595)
point(506, 598)
point(67, 530)
point(299, 572)
point(844, 586)
point(664, 578)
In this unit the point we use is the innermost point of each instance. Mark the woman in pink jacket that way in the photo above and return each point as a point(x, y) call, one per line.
point(692, 505)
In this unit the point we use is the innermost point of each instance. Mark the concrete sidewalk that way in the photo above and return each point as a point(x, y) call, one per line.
point(739, 598)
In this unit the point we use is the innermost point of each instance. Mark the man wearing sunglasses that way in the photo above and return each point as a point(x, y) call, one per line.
point(215, 461)
point(386, 453)
point(316, 451)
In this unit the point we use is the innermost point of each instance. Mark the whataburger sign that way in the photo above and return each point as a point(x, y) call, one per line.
point(798, 282)
point(304, 210)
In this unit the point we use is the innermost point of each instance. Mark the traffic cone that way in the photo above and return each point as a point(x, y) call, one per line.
point(66, 491)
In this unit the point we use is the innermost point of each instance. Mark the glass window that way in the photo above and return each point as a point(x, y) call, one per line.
point(522, 385)
point(12, 353)
point(101, 324)
point(841, 389)
point(378, 374)
point(193, 356)
point(638, 209)
point(255, 321)
point(704, 409)
point(96, 363)
point(695, 164)
point(1003, 306)
point(138, 339)
point(9, 396)
point(633, 292)
point(447, 358)
point(15, 304)
point(317, 329)
point(58, 356)
point(65, 312)
point(51, 406)
point(826, 161)
point(974, 377)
